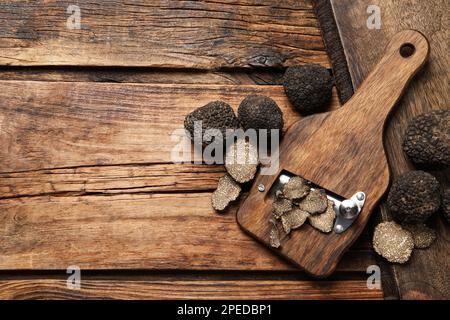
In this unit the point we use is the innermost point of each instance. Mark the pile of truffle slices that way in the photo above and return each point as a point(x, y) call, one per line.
point(298, 202)
point(417, 195)
point(308, 88)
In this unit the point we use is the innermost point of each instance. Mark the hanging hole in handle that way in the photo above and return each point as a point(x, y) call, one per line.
point(407, 50)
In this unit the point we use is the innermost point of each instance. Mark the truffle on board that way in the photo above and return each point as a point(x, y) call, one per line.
point(392, 242)
point(227, 191)
point(216, 115)
point(446, 204)
point(423, 236)
point(324, 221)
point(308, 87)
point(315, 202)
point(274, 235)
point(414, 197)
point(293, 219)
point(296, 188)
point(241, 160)
point(281, 206)
point(260, 112)
point(427, 139)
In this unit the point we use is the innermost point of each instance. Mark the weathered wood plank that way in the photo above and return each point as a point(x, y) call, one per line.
point(427, 275)
point(198, 289)
point(262, 76)
point(111, 180)
point(141, 231)
point(54, 125)
point(163, 33)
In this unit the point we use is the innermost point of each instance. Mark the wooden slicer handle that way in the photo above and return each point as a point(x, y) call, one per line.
point(404, 56)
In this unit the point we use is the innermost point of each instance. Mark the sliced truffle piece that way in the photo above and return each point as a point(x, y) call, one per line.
point(427, 139)
point(423, 236)
point(392, 242)
point(274, 235)
point(293, 219)
point(215, 115)
point(227, 191)
point(446, 204)
point(281, 206)
point(296, 188)
point(308, 87)
point(315, 202)
point(241, 160)
point(260, 112)
point(414, 197)
point(324, 221)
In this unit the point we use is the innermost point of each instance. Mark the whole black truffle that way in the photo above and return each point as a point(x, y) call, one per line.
point(414, 197)
point(260, 112)
point(446, 204)
point(215, 115)
point(427, 139)
point(308, 87)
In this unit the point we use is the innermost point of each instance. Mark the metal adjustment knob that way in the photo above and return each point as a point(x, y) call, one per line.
point(348, 209)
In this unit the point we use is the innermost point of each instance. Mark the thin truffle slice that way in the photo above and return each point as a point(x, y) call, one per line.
point(392, 242)
point(427, 139)
point(423, 236)
point(281, 206)
point(315, 202)
point(227, 191)
point(241, 160)
point(296, 188)
point(324, 221)
point(293, 219)
point(274, 235)
point(414, 197)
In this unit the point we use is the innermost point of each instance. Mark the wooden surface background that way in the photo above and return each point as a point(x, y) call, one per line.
point(427, 275)
point(85, 171)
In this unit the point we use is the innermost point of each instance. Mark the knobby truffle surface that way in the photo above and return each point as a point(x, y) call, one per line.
point(427, 139)
point(216, 115)
point(414, 197)
point(308, 87)
point(260, 112)
point(446, 204)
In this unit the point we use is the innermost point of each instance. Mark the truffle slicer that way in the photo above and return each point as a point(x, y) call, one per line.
point(342, 152)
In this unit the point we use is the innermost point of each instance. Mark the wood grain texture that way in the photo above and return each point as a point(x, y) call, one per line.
point(116, 179)
point(333, 44)
point(260, 76)
point(341, 151)
point(199, 289)
point(427, 275)
point(163, 33)
point(141, 231)
point(54, 125)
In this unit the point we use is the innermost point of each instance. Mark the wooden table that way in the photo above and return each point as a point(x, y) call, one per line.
point(87, 119)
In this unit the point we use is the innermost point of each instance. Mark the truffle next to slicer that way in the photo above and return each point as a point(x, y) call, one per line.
point(215, 115)
point(260, 112)
point(308, 87)
point(414, 197)
point(427, 139)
